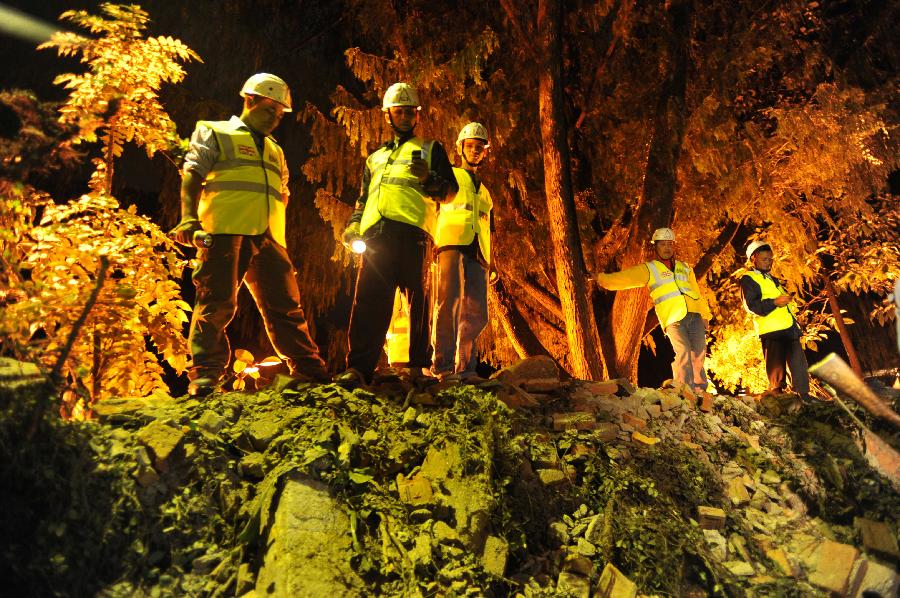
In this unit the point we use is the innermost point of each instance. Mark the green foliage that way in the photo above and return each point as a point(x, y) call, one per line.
point(51, 266)
point(119, 94)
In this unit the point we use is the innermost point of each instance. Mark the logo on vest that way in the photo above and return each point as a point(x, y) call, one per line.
point(246, 150)
point(666, 274)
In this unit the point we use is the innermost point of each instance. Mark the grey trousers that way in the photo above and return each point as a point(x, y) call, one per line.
point(460, 312)
point(688, 338)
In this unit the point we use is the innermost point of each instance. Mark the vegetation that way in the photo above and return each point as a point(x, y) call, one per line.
point(89, 288)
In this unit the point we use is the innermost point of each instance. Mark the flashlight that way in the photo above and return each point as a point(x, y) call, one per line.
point(202, 239)
point(358, 246)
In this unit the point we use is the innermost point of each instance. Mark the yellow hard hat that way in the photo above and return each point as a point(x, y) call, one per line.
point(400, 94)
point(268, 86)
point(662, 234)
point(472, 131)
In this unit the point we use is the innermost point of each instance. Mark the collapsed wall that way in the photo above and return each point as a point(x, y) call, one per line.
point(526, 484)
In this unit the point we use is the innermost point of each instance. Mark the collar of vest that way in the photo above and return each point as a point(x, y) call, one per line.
point(236, 125)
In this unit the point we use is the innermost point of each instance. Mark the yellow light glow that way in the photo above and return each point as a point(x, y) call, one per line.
point(19, 24)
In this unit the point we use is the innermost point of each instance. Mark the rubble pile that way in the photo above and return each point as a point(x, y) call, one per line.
point(525, 484)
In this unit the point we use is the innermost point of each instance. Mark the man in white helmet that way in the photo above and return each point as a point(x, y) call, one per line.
point(773, 318)
point(682, 310)
point(402, 183)
point(234, 191)
point(463, 241)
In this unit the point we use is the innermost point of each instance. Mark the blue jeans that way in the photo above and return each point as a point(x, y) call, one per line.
point(460, 311)
point(688, 338)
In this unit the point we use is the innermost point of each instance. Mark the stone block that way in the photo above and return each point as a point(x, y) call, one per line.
point(706, 402)
point(161, 440)
point(606, 431)
point(711, 517)
point(667, 402)
point(604, 387)
point(648, 440)
point(877, 536)
point(308, 545)
point(415, 490)
point(876, 579)
point(573, 585)
point(573, 421)
point(544, 385)
point(493, 559)
point(635, 422)
point(539, 366)
point(780, 558)
point(614, 584)
point(737, 492)
point(551, 477)
point(833, 565)
point(739, 568)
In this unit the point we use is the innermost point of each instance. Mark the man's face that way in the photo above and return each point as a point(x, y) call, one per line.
point(264, 114)
point(474, 150)
point(403, 117)
point(665, 249)
point(762, 260)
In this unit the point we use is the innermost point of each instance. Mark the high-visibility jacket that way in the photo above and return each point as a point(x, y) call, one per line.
point(780, 318)
point(242, 194)
point(674, 294)
point(668, 290)
point(467, 216)
point(394, 193)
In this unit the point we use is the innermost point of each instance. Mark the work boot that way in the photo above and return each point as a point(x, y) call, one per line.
point(350, 378)
point(201, 387)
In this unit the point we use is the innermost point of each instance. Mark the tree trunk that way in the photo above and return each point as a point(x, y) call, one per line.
point(842, 326)
point(517, 329)
point(656, 208)
point(581, 328)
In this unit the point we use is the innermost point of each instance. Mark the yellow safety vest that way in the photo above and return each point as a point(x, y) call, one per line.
point(780, 318)
point(242, 192)
point(667, 289)
point(469, 214)
point(394, 193)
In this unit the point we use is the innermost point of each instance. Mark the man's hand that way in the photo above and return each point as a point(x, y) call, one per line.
point(183, 233)
point(782, 300)
point(419, 169)
point(350, 233)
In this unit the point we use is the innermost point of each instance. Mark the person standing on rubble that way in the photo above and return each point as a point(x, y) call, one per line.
point(773, 318)
point(234, 192)
point(682, 310)
point(463, 242)
point(402, 183)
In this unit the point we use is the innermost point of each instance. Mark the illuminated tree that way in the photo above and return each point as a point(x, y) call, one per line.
point(720, 119)
point(118, 96)
point(89, 287)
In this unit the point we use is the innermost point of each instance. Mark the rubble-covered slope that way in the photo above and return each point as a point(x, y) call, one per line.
point(523, 485)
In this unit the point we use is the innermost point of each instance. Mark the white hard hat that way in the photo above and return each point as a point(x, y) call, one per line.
point(756, 246)
point(400, 94)
point(268, 86)
point(662, 234)
point(472, 131)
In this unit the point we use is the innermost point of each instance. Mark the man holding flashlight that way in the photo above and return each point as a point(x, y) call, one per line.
point(402, 183)
point(233, 198)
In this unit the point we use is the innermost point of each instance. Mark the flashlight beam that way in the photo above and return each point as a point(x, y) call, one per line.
point(16, 23)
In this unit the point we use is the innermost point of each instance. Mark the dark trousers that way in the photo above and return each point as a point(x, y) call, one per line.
point(396, 257)
point(460, 311)
point(264, 266)
point(783, 352)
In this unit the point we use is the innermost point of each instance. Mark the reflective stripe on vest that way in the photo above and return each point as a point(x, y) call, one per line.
point(394, 193)
point(457, 223)
point(667, 289)
point(242, 193)
point(779, 318)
